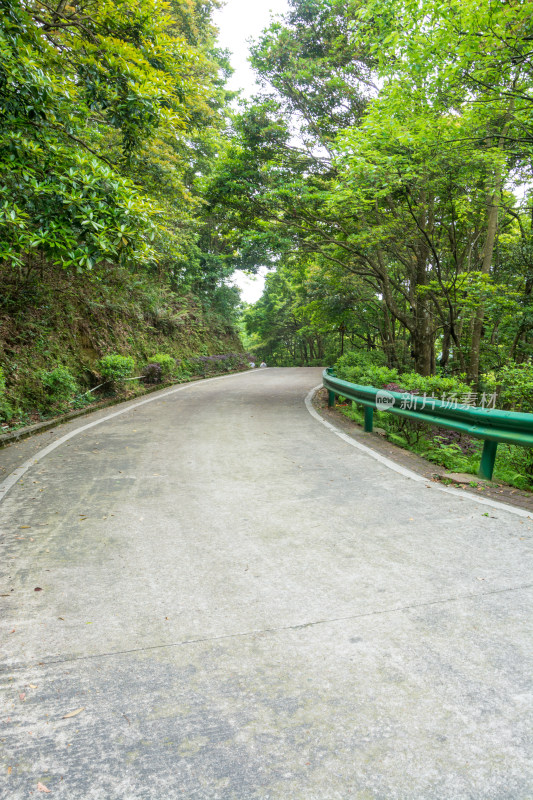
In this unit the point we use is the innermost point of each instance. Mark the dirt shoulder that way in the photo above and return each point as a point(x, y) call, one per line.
point(433, 472)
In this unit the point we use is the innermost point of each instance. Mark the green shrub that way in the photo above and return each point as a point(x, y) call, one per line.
point(363, 367)
point(433, 385)
point(167, 364)
point(59, 386)
point(115, 368)
point(184, 370)
point(357, 361)
point(366, 374)
point(513, 384)
point(185, 365)
point(378, 376)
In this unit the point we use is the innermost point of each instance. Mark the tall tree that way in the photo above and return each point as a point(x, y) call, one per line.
point(108, 108)
point(388, 150)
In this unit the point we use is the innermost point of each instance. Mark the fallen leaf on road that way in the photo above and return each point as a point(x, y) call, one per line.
point(37, 589)
point(9, 770)
point(24, 526)
point(22, 696)
point(42, 788)
point(73, 713)
point(32, 686)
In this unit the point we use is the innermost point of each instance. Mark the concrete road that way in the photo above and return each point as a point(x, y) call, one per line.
point(245, 606)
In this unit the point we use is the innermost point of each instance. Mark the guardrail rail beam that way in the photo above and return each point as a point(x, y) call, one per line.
point(492, 425)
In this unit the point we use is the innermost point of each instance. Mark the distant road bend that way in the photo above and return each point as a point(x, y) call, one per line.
point(213, 597)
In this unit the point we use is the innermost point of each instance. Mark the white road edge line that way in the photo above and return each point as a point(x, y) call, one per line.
point(407, 473)
point(17, 474)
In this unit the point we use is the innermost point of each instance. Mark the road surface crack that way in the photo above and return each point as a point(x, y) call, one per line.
point(273, 630)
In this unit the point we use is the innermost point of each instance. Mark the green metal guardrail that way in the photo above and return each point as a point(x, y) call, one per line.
point(492, 425)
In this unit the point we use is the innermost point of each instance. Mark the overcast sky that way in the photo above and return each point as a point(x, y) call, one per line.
point(238, 21)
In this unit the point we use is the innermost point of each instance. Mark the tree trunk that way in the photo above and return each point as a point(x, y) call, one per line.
point(446, 339)
point(528, 290)
point(423, 355)
point(488, 251)
point(422, 335)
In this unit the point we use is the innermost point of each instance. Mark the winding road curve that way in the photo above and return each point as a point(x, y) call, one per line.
point(246, 607)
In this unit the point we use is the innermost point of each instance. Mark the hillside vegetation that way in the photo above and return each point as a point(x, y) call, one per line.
point(76, 323)
point(112, 116)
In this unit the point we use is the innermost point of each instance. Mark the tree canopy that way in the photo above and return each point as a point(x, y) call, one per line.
point(386, 171)
point(111, 116)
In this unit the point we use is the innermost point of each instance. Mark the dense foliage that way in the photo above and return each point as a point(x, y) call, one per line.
point(108, 111)
point(386, 174)
point(112, 115)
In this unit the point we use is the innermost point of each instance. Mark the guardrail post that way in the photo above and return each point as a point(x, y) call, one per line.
point(331, 399)
point(488, 457)
point(369, 419)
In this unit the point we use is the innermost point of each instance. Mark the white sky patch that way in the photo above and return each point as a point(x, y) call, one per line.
point(238, 21)
point(251, 286)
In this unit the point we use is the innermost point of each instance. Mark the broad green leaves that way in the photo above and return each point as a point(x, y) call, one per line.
point(108, 111)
